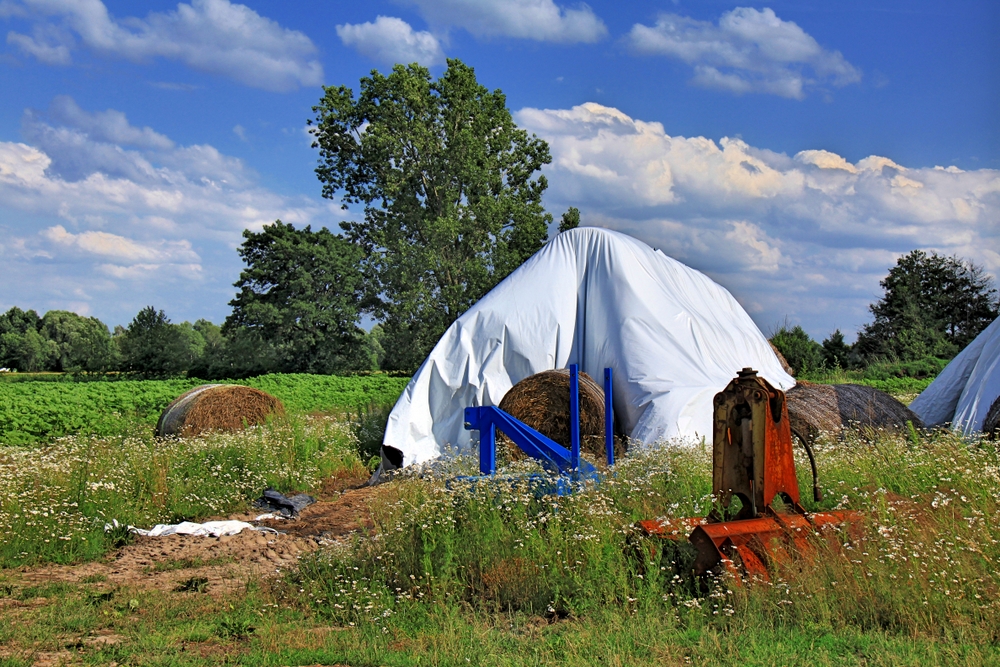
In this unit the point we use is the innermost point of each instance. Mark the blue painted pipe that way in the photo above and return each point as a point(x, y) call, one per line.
point(609, 419)
point(574, 415)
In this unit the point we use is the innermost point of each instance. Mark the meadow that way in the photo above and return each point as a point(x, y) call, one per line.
point(456, 574)
point(40, 409)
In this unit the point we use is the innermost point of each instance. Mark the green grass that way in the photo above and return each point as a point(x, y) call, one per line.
point(57, 498)
point(496, 577)
point(464, 574)
point(916, 585)
point(37, 411)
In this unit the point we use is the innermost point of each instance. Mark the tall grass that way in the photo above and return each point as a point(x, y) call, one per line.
point(922, 565)
point(56, 499)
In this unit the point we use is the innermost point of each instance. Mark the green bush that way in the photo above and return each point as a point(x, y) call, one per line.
point(801, 352)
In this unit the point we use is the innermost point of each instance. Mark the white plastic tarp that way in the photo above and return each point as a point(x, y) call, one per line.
point(598, 298)
point(207, 529)
point(964, 391)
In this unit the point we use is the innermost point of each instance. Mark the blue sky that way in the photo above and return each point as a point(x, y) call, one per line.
point(791, 150)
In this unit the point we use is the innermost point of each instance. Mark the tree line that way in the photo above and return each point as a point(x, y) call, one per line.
point(151, 346)
point(447, 195)
point(932, 307)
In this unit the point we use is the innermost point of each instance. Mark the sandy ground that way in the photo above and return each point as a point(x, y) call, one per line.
point(225, 564)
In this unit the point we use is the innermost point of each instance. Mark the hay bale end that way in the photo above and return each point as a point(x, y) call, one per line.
point(815, 409)
point(217, 407)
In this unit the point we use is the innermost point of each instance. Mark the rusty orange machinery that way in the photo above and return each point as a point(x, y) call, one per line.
point(752, 461)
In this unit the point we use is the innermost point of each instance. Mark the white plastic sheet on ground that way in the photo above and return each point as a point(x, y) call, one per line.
point(964, 391)
point(600, 299)
point(207, 529)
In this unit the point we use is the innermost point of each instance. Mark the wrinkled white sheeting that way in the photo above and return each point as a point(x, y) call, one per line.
point(964, 391)
point(207, 529)
point(600, 299)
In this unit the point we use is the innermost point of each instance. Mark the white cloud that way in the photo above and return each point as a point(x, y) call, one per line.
point(540, 20)
point(47, 43)
point(390, 40)
point(748, 51)
point(111, 126)
point(118, 225)
point(807, 236)
point(116, 247)
point(240, 132)
point(214, 36)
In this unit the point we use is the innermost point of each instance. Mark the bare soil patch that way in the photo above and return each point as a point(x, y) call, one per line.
point(223, 565)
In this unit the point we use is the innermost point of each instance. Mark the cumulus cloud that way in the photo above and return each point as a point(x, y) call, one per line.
point(47, 43)
point(112, 246)
point(540, 20)
point(214, 36)
point(748, 51)
point(111, 126)
point(119, 224)
point(807, 236)
point(391, 40)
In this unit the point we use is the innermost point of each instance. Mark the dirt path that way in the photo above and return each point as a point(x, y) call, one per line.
point(223, 565)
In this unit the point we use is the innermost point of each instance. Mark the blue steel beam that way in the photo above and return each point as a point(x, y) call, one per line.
point(553, 456)
point(609, 418)
point(574, 415)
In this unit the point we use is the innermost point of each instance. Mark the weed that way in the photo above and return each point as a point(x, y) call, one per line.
point(193, 585)
point(234, 626)
point(117, 535)
point(368, 426)
point(96, 598)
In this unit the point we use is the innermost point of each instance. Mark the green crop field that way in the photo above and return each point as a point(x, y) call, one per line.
point(37, 410)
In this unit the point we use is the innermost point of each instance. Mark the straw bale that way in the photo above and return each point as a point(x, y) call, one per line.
point(542, 402)
point(814, 409)
point(217, 407)
point(991, 425)
point(781, 359)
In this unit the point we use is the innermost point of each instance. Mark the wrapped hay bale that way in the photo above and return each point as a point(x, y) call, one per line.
point(542, 402)
point(830, 408)
point(991, 425)
point(217, 407)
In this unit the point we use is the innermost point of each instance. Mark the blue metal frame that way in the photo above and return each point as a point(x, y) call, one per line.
point(554, 457)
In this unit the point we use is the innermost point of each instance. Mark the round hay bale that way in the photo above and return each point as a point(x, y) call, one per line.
point(781, 359)
point(542, 402)
point(830, 408)
point(217, 407)
point(991, 425)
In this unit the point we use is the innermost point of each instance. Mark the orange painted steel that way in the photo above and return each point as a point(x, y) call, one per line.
point(751, 460)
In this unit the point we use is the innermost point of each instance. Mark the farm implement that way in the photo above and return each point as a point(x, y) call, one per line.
point(752, 462)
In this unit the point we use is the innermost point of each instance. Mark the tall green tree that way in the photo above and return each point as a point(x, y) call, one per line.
point(22, 345)
point(932, 306)
point(836, 352)
point(570, 219)
point(450, 191)
point(801, 352)
point(83, 343)
point(298, 301)
point(151, 346)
